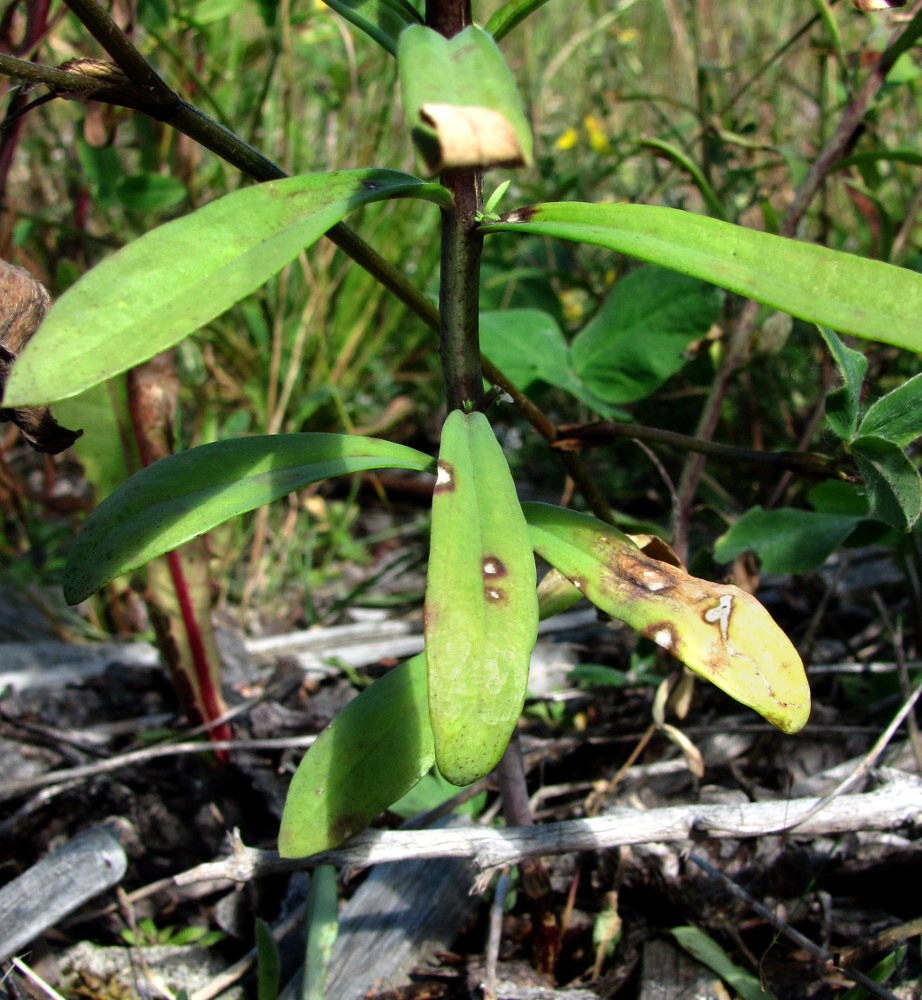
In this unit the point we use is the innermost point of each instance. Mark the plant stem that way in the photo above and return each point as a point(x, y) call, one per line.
point(578, 436)
point(459, 293)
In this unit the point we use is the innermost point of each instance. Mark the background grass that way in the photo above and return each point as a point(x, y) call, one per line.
point(745, 92)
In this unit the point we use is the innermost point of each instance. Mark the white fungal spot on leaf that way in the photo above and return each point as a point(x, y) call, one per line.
point(721, 615)
point(443, 476)
point(663, 637)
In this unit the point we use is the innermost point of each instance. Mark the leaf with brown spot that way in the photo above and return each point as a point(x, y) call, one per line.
point(718, 630)
point(481, 607)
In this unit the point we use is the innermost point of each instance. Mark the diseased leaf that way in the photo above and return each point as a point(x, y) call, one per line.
point(850, 294)
point(461, 101)
point(370, 755)
point(719, 631)
point(157, 290)
point(187, 494)
point(481, 618)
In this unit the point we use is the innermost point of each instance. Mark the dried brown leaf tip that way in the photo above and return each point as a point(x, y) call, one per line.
point(23, 303)
point(870, 6)
point(472, 137)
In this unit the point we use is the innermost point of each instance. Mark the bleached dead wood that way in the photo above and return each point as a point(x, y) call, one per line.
point(896, 803)
point(88, 864)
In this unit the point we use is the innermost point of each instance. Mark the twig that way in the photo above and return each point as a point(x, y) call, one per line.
point(894, 804)
point(789, 932)
point(579, 436)
point(867, 763)
point(12, 789)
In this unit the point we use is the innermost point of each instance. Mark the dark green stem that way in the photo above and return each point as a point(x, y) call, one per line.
point(459, 294)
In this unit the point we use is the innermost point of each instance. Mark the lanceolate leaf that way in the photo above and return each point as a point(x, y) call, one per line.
point(852, 295)
point(185, 495)
point(382, 20)
point(510, 16)
point(481, 606)
point(171, 281)
point(719, 631)
point(370, 755)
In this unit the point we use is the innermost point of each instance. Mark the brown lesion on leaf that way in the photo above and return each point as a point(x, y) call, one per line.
point(644, 573)
point(493, 568)
point(495, 595)
point(445, 477)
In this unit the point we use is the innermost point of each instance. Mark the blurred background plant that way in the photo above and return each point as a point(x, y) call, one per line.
point(720, 109)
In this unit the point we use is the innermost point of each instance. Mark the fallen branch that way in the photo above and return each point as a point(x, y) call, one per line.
point(897, 802)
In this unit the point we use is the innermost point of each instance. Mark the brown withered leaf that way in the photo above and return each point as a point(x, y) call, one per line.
point(23, 303)
point(472, 137)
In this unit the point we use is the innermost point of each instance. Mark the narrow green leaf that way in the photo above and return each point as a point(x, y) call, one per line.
point(322, 926)
point(842, 404)
point(709, 953)
point(855, 296)
point(165, 285)
point(510, 16)
point(786, 540)
point(893, 482)
point(461, 101)
point(719, 631)
point(481, 618)
point(382, 20)
point(185, 495)
point(373, 753)
point(640, 336)
point(268, 965)
point(898, 415)
point(683, 160)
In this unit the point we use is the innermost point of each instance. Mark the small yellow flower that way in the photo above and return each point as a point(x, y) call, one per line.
point(567, 140)
point(596, 133)
point(574, 304)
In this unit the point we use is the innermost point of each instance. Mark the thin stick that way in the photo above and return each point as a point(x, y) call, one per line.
point(789, 932)
point(894, 804)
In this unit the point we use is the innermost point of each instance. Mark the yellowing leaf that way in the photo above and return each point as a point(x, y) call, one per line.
point(718, 630)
